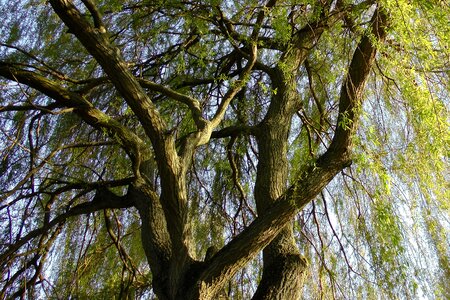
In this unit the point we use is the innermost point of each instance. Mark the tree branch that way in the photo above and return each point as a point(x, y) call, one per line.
point(173, 194)
point(132, 144)
point(203, 136)
point(110, 59)
point(353, 86)
point(104, 199)
point(233, 131)
point(192, 103)
point(95, 15)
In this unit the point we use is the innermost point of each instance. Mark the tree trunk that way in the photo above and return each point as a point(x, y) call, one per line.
point(283, 263)
point(284, 268)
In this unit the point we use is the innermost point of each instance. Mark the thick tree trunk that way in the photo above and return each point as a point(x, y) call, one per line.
point(284, 268)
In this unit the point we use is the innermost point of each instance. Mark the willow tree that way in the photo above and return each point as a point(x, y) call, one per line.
point(236, 149)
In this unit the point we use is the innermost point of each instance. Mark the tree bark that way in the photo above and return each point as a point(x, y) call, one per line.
point(283, 263)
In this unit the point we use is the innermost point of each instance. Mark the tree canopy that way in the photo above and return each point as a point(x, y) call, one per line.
point(224, 149)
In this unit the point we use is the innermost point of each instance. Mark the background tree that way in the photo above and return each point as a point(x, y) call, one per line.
point(156, 148)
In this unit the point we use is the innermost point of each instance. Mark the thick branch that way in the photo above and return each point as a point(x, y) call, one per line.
point(234, 130)
point(353, 86)
point(203, 136)
point(260, 233)
point(46, 109)
point(83, 108)
point(109, 57)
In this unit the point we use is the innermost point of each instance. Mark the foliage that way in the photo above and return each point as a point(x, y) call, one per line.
point(75, 145)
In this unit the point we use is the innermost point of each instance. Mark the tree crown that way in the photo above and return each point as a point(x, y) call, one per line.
point(135, 136)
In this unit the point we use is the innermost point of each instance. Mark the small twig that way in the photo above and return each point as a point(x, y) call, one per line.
point(95, 15)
